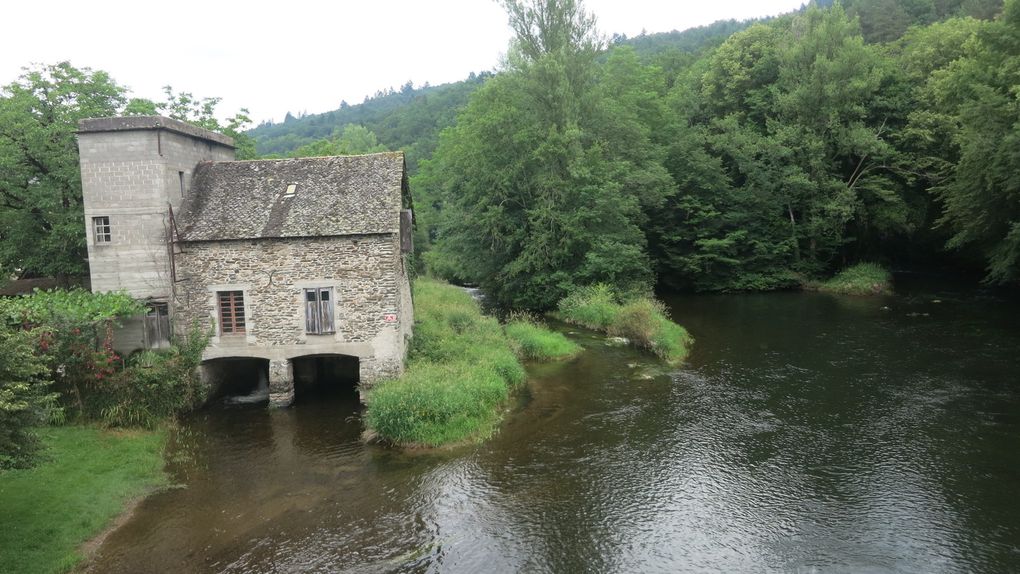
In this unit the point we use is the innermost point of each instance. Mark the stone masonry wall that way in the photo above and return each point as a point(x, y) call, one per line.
point(365, 272)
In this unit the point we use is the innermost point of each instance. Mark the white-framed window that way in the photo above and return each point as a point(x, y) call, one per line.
point(319, 311)
point(101, 229)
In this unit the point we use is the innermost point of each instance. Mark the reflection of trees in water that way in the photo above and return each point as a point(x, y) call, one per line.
point(868, 443)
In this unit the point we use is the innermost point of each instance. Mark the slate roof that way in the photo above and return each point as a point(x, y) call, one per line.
point(344, 195)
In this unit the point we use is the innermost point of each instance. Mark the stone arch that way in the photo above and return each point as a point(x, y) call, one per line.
point(241, 376)
point(326, 374)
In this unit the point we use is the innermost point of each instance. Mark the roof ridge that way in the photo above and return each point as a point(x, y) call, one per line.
point(281, 159)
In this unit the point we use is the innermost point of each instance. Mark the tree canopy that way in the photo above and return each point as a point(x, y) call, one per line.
point(793, 148)
point(741, 155)
point(42, 226)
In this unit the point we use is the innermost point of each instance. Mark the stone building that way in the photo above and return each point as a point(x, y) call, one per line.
point(289, 261)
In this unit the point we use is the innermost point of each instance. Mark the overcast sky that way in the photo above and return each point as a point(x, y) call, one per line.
point(299, 55)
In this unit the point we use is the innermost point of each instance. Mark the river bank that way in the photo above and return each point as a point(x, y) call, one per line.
point(805, 431)
point(87, 479)
point(461, 371)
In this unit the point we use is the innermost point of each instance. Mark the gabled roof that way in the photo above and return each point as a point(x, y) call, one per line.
point(304, 197)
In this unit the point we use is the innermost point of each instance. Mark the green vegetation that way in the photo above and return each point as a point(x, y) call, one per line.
point(25, 400)
point(459, 375)
point(787, 149)
point(354, 140)
point(152, 387)
point(860, 279)
point(551, 167)
point(530, 340)
point(42, 221)
point(67, 337)
point(641, 320)
point(85, 481)
point(407, 119)
point(594, 307)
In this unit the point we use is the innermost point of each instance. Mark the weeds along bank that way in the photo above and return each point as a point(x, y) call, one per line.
point(460, 373)
point(860, 279)
point(641, 320)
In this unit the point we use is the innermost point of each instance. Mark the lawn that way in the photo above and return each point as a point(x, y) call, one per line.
point(85, 479)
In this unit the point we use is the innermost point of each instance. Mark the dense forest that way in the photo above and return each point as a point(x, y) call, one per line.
point(793, 148)
point(738, 156)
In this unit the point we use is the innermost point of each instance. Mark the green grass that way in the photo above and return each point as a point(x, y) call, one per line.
point(860, 279)
point(594, 307)
point(85, 479)
point(642, 320)
point(535, 342)
point(459, 375)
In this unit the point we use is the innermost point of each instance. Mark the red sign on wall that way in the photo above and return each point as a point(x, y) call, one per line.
point(390, 317)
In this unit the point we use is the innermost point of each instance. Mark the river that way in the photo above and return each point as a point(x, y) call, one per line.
point(807, 433)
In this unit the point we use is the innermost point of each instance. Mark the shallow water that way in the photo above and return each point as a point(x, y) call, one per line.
point(806, 433)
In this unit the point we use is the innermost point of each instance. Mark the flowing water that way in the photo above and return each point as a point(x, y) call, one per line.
point(807, 433)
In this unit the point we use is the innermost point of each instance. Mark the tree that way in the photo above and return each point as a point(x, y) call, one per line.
point(201, 112)
point(42, 227)
point(542, 182)
point(354, 140)
point(981, 196)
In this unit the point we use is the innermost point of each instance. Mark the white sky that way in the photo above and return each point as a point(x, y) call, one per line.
point(301, 55)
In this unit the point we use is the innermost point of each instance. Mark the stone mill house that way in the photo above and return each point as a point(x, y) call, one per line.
point(288, 261)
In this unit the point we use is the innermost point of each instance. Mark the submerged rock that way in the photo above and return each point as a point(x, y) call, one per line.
point(617, 341)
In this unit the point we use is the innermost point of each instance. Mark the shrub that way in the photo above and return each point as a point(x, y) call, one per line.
point(860, 279)
point(73, 332)
point(642, 320)
point(74, 335)
point(533, 341)
point(154, 386)
point(24, 397)
point(594, 307)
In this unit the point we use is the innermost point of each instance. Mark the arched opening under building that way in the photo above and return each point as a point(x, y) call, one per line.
point(237, 379)
point(319, 376)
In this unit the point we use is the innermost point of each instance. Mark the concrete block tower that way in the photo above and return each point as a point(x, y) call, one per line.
point(133, 170)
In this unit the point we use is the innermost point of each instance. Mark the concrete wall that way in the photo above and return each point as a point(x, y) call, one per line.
point(131, 176)
point(371, 298)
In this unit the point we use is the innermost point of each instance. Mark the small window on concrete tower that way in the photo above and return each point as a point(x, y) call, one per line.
point(101, 229)
point(180, 176)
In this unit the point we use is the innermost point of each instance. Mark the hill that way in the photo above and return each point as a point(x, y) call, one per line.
point(411, 118)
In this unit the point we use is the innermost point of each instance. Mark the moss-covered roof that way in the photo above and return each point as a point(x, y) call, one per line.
point(304, 197)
